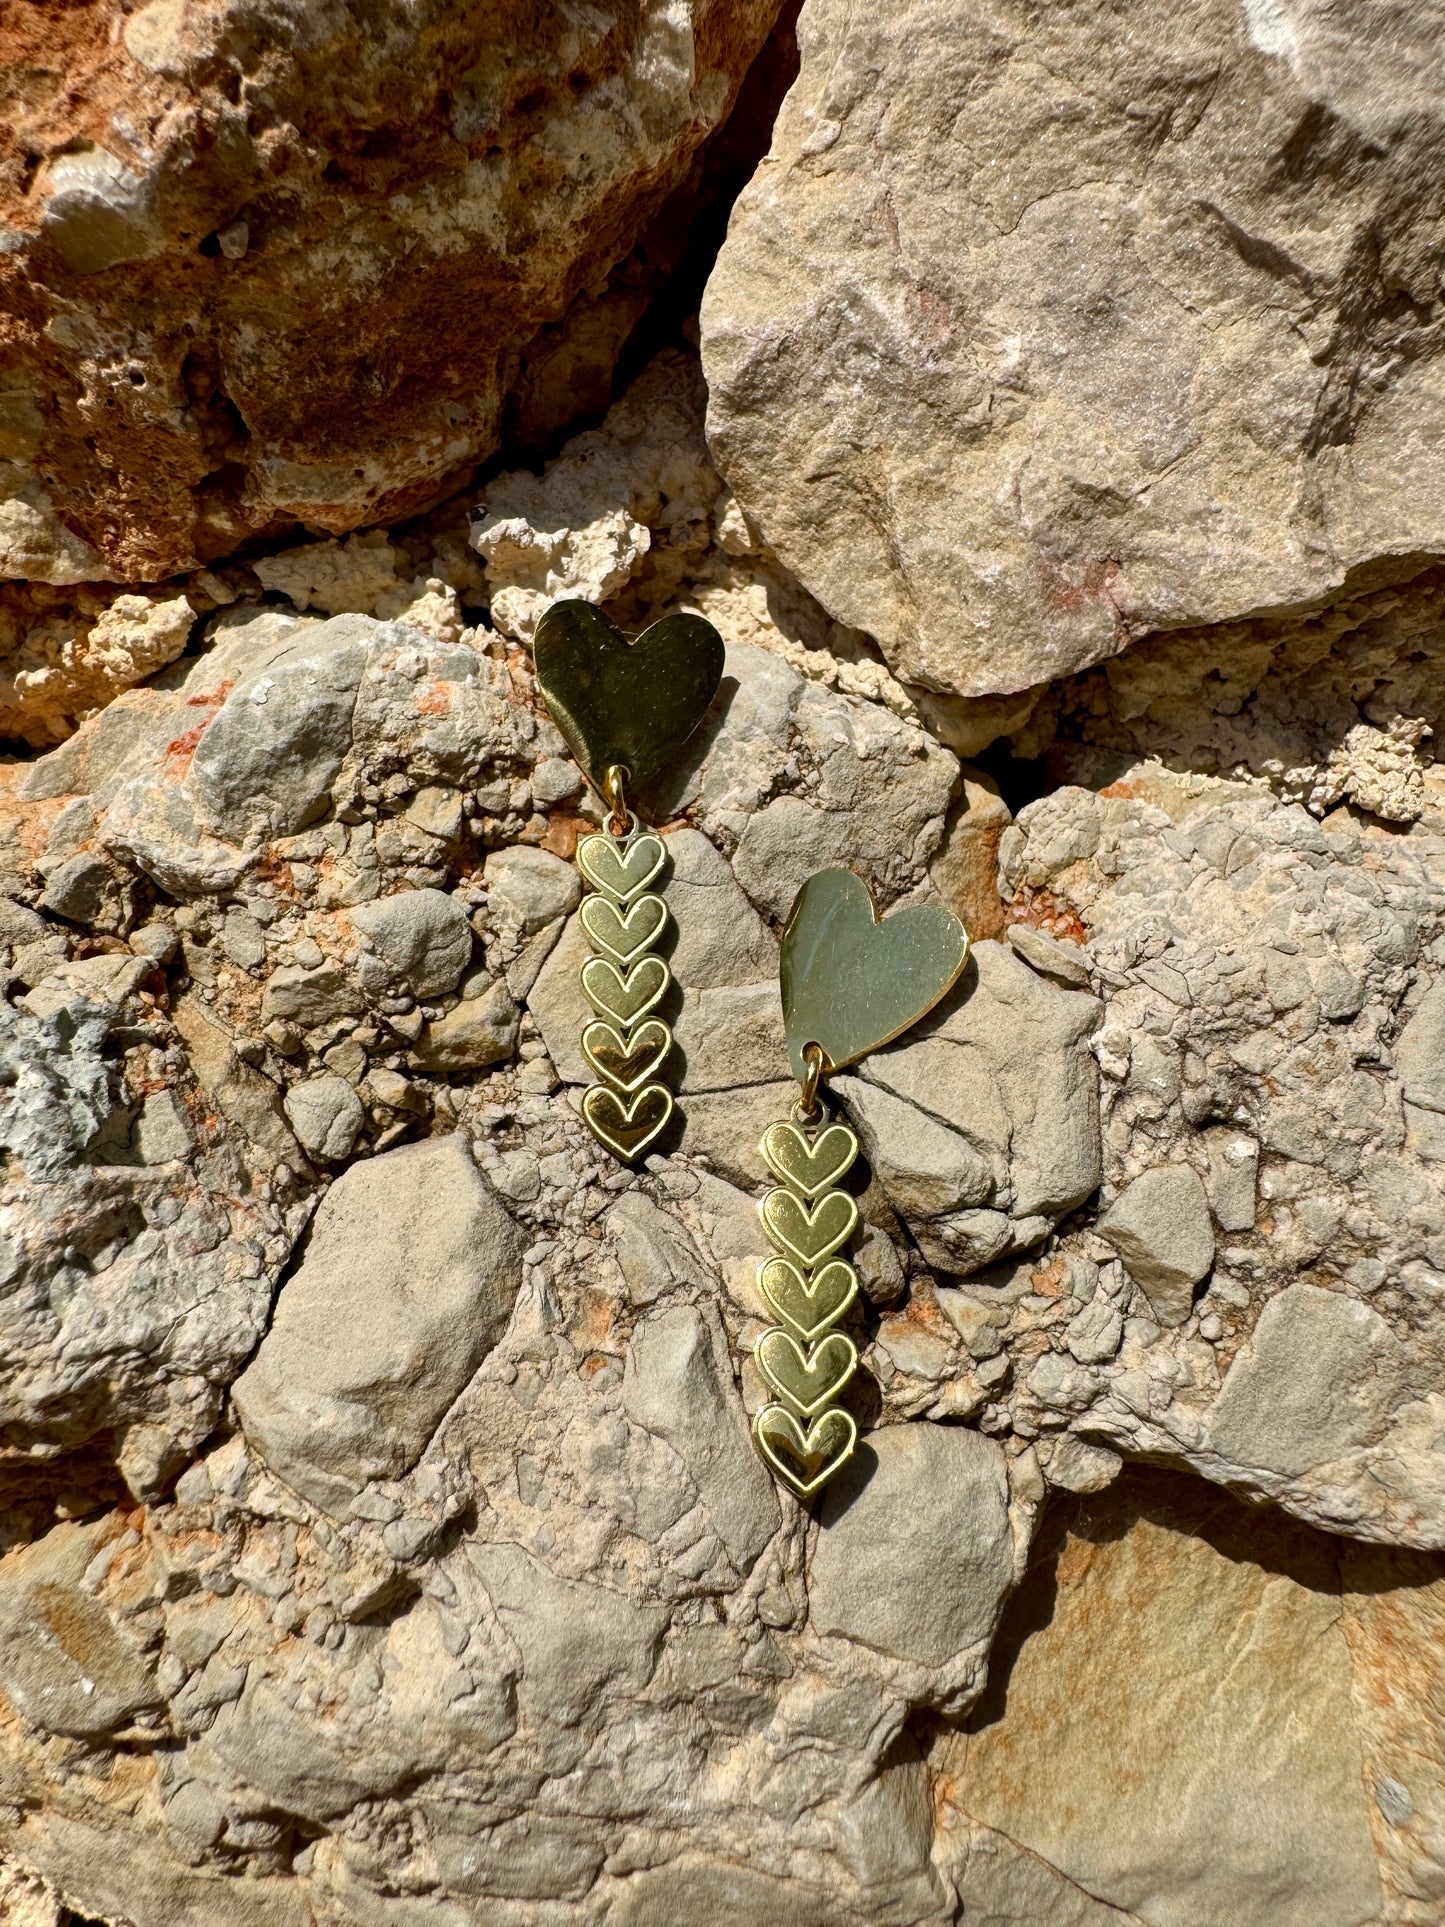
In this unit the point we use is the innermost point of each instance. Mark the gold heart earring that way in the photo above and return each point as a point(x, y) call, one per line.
point(626, 709)
point(850, 983)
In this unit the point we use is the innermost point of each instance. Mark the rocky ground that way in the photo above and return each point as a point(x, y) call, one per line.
point(383, 1544)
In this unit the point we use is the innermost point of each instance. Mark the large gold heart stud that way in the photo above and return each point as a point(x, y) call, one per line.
point(620, 702)
point(626, 1063)
point(808, 1306)
point(623, 937)
point(626, 1128)
point(806, 1379)
point(623, 872)
point(851, 982)
point(804, 1460)
point(625, 998)
point(804, 1235)
point(810, 1161)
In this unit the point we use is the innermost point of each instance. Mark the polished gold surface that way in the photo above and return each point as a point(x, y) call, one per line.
point(626, 1126)
point(806, 1305)
point(621, 869)
point(806, 1380)
point(623, 934)
point(804, 1361)
point(625, 1045)
point(626, 1060)
point(809, 1161)
point(803, 1458)
point(851, 982)
point(626, 704)
point(625, 996)
point(808, 1236)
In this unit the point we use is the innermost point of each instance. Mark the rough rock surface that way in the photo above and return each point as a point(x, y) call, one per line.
point(377, 1449)
point(419, 205)
point(1194, 1727)
point(1037, 331)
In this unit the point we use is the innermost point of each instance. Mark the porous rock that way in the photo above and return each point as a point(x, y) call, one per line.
point(478, 231)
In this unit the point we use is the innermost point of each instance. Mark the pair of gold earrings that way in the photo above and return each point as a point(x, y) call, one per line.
point(850, 983)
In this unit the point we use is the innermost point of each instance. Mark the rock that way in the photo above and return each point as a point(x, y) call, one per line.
point(845, 371)
point(653, 1251)
point(407, 1283)
point(163, 1130)
point(75, 888)
point(124, 237)
point(678, 1384)
point(1077, 1466)
point(481, 1029)
point(1233, 1176)
point(965, 870)
point(721, 940)
point(530, 887)
point(1320, 1379)
point(1420, 1051)
point(729, 1037)
point(77, 658)
point(300, 1765)
point(271, 753)
point(421, 938)
point(1063, 961)
point(1160, 1228)
point(63, 1663)
point(326, 1115)
point(107, 979)
point(310, 997)
point(1172, 1616)
point(914, 1556)
point(982, 1123)
point(579, 1643)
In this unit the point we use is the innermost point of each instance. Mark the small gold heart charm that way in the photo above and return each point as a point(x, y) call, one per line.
point(808, 1236)
point(626, 1129)
point(806, 1379)
point(623, 872)
point(809, 1306)
point(626, 1063)
point(625, 998)
point(804, 1460)
point(810, 1161)
point(624, 937)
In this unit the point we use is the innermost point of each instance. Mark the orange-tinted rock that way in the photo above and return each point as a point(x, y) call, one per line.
point(256, 276)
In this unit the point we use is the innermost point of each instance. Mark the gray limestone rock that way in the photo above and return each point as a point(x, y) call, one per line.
point(420, 938)
point(1160, 1228)
point(529, 887)
point(75, 888)
point(579, 1643)
point(1420, 1051)
point(273, 750)
point(480, 1030)
point(869, 397)
point(982, 1123)
point(326, 1115)
point(163, 1131)
point(407, 1283)
point(678, 1385)
point(1321, 1378)
point(915, 1554)
point(653, 1251)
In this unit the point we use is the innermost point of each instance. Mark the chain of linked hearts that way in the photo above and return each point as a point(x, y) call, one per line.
point(625, 1044)
point(804, 1436)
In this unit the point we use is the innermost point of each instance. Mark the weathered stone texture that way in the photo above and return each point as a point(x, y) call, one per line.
point(1038, 330)
point(412, 204)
